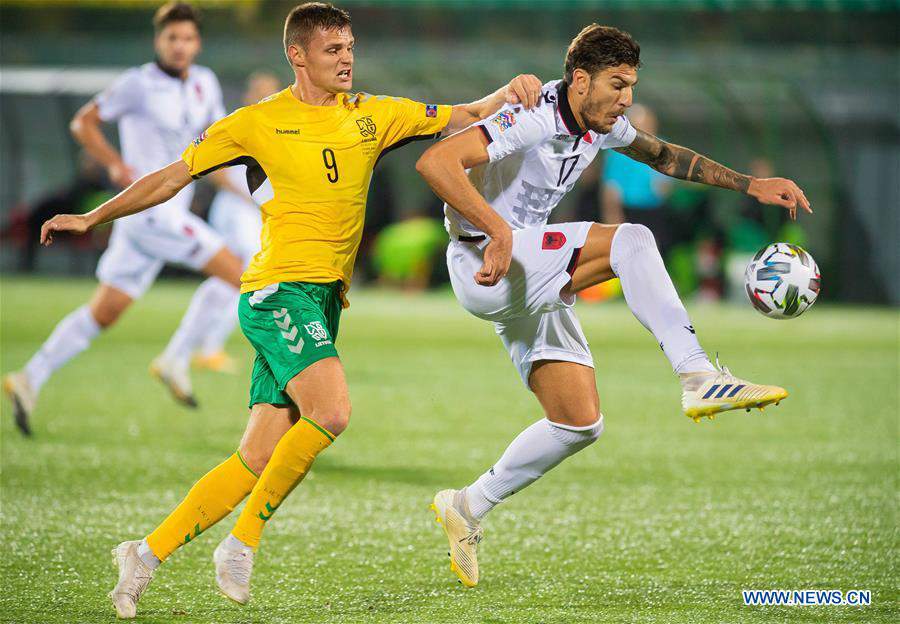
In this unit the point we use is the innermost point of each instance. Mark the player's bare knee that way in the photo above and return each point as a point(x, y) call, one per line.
point(256, 456)
point(575, 418)
point(334, 418)
point(582, 410)
point(106, 315)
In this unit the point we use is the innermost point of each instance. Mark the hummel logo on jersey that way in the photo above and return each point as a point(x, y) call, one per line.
point(280, 131)
point(690, 328)
point(288, 331)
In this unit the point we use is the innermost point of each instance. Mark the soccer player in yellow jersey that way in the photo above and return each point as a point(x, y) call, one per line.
point(309, 150)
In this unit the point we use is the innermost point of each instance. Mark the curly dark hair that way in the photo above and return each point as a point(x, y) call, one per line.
point(304, 19)
point(597, 47)
point(172, 12)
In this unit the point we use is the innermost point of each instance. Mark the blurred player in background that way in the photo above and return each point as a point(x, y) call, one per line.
point(310, 151)
point(508, 266)
point(634, 192)
point(235, 216)
point(159, 106)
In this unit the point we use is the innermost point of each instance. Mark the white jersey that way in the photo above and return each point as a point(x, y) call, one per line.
point(237, 176)
point(158, 116)
point(536, 156)
point(236, 217)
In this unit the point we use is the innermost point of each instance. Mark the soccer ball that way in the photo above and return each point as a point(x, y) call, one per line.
point(782, 281)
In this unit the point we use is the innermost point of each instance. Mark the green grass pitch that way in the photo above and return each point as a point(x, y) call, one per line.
point(663, 520)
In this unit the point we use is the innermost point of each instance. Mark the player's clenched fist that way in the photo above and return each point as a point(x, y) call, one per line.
point(76, 224)
point(524, 89)
point(497, 257)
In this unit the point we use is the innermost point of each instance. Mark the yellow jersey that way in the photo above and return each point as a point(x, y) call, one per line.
point(309, 168)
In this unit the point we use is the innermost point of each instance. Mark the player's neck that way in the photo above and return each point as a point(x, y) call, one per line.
point(169, 71)
point(308, 93)
point(575, 107)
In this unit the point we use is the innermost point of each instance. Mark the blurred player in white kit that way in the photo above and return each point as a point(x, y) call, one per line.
point(235, 216)
point(159, 107)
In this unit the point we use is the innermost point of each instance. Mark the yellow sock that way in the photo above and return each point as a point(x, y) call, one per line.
point(289, 463)
point(212, 498)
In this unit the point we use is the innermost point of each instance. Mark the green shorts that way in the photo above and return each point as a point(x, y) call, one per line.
point(291, 325)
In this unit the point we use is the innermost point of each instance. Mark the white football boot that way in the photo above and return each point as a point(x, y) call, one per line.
point(463, 534)
point(23, 398)
point(134, 576)
point(234, 565)
point(176, 377)
point(707, 394)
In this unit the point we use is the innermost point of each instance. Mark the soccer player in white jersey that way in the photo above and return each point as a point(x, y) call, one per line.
point(236, 217)
point(159, 107)
point(500, 180)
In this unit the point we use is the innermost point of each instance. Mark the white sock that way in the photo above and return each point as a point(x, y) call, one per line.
point(650, 294)
point(233, 543)
point(71, 336)
point(147, 556)
point(212, 296)
point(220, 328)
point(534, 452)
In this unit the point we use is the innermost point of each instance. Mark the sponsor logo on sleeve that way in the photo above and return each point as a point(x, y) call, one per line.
point(430, 110)
point(200, 139)
point(504, 120)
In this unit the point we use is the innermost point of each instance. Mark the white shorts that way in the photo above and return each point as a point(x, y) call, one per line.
point(139, 247)
point(238, 222)
point(534, 321)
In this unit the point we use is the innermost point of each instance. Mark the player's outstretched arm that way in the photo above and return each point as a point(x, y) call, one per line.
point(150, 190)
point(86, 129)
point(686, 164)
point(524, 89)
point(443, 166)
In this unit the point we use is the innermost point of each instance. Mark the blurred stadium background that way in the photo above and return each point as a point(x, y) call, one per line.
point(667, 521)
point(810, 87)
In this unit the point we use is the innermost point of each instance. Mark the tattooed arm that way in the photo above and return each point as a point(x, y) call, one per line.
point(686, 164)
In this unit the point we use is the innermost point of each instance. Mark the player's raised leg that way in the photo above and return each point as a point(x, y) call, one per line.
point(320, 392)
point(218, 292)
point(72, 335)
point(629, 252)
point(568, 394)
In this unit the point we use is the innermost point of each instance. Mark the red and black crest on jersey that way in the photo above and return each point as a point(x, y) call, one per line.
point(553, 240)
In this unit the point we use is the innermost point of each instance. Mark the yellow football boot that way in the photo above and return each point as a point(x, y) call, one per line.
point(462, 533)
point(707, 394)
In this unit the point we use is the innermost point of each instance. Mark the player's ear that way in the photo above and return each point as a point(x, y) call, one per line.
point(295, 56)
point(581, 81)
